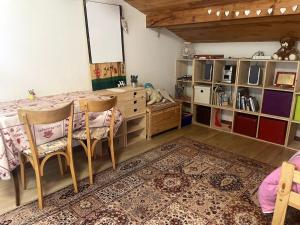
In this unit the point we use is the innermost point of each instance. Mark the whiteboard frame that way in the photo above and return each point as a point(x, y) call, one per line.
point(88, 33)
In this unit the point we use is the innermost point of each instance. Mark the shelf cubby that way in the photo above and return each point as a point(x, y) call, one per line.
point(219, 67)
point(223, 96)
point(245, 124)
point(254, 92)
point(222, 119)
point(244, 72)
point(294, 136)
point(277, 103)
point(202, 114)
point(273, 67)
point(199, 71)
point(184, 67)
point(272, 130)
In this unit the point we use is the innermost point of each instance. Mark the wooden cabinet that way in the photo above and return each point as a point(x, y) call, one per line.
point(163, 117)
point(132, 103)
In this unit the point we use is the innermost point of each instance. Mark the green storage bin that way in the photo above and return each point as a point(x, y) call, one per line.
point(297, 109)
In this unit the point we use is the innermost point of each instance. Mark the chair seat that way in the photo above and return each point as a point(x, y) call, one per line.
point(50, 147)
point(96, 133)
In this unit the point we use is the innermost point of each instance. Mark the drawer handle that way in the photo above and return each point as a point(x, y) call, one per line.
point(135, 102)
point(135, 110)
point(134, 93)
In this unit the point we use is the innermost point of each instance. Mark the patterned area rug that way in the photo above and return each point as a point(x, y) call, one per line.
point(180, 182)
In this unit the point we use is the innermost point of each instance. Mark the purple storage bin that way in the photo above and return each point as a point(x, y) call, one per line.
point(277, 103)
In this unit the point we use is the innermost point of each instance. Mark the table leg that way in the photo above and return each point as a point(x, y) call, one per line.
point(17, 186)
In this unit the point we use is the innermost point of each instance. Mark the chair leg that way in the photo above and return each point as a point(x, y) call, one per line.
point(17, 189)
point(39, 186)
point(112, 153)
point(73, 174)
point(22, 172)
point(60, 163)
point(90, 166)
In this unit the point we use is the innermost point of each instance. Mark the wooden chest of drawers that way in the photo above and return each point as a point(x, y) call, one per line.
point(132, 103)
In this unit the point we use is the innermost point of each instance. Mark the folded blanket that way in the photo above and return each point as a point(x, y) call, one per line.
point(268, 189)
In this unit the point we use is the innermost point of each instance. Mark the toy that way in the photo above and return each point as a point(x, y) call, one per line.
point(31, 95)
point(153, 96)
point(134, 80)
point(287, 50)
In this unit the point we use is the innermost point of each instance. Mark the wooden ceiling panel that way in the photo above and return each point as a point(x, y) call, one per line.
point(150, 6)
point(190, 20)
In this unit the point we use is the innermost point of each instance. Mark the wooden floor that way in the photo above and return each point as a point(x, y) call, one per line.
point(53, 181)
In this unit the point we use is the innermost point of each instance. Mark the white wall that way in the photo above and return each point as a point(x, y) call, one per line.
point(238, 49)
point(43, 47)
point(146, 54)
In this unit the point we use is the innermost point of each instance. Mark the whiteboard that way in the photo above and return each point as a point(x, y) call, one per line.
point(104, 32)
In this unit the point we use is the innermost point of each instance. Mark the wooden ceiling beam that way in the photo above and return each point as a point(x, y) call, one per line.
point(201, 15)
point(150, 6)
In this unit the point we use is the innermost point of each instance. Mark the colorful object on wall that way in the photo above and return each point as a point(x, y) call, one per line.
point(107, 75)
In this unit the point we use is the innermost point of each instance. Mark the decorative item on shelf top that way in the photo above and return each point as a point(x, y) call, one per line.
point(246, 102)
point(134, 80)
point(185, 78)
point(208, 56)
point(254, 75)
point(221, 97)
point(285, 79)
point(188, 51)
point(31, 95)
point(229, 72)
point(287, 51)
point(260, 55)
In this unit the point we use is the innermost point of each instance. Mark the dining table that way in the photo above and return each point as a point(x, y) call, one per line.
point(13, 139)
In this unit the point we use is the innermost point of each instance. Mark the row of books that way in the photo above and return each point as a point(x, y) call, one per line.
point(220, 97)
point(247, 103)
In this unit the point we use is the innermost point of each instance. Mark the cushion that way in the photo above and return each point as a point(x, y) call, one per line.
point(96, 133)
point(52, 146)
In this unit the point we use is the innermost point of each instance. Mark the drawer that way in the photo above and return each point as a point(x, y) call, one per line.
point(133, 107)
point(132, 95)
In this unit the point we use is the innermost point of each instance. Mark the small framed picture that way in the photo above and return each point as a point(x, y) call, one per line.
point(286, 79)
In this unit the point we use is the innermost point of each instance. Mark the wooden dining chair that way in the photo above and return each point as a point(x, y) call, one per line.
point(38, 155)
point(285, 195)
point(92, 135)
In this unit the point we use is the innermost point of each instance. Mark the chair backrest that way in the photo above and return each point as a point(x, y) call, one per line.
point(98, 106)
point(285, 195)
point(33, 117)
point(45, 117)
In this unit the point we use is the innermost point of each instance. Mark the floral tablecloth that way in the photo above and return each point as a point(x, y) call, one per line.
point(12, 135)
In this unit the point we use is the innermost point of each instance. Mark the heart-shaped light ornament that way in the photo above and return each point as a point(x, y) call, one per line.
point(209, 11)
point(218, 13)
point(282, 10)
point(247, 12)
point(227, 13)
point(258, 12)
point(270, 10)
point(237, 13)
point(294, 8)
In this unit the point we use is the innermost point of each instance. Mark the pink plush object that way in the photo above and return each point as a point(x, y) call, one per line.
point(268, 189)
